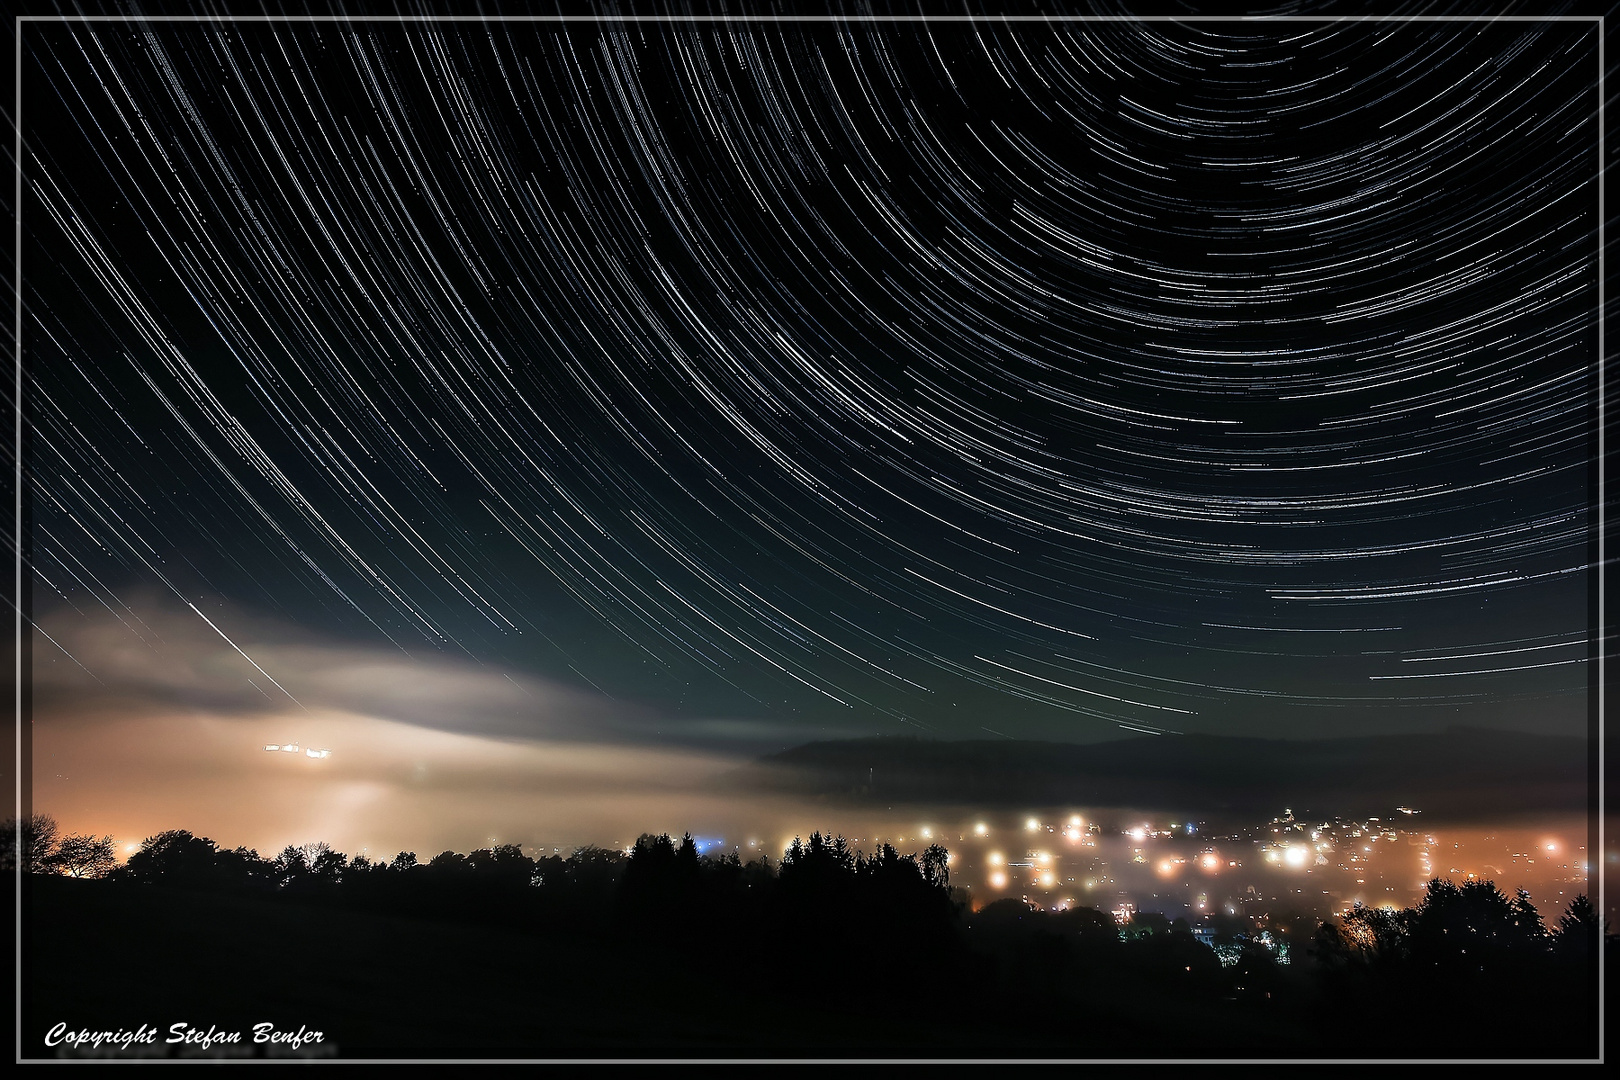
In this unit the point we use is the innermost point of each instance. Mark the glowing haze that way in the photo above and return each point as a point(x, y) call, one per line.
point(430, 754)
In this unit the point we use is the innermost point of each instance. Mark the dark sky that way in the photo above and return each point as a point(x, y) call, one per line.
point(1049, 380)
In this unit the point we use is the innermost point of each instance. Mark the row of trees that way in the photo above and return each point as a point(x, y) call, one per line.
point(1470, 961)
point(1468, 964)
point(1464, 933)
point(36, 843)
point(1469, 930)
point(889, 913)
point(654, 865)
point(658, 883)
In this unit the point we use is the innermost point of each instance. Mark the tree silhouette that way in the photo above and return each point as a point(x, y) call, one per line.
point(818, 867)
point(583, 886)
point(243, 870)
point(549, 871)
point(1467, 949)
point(503, 865)
point(291, 867)
point(1579, 929)
point(814, 886)
point(878, 935)
point(83, 856)
point(667, 888)
point(175, 858)
point(1465, 931)
point(449, 862)
point(1527, 942)
point(1255, 973)
point(1375, 936)
point(936, 866)
point(326, 867)
point(1091, 930)
point(595, 869)
point(29, 843)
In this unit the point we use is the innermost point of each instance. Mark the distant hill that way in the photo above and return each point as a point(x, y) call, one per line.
point(1460, 771)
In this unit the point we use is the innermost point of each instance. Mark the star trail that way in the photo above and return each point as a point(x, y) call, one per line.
point(1061, 380)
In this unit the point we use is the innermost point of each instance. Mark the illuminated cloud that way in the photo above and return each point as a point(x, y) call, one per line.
point(179, 662)
point(135, 736)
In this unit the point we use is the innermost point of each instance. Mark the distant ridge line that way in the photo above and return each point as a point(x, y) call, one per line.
point(1461, 770)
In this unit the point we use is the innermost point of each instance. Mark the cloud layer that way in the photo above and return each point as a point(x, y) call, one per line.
point(162, 723)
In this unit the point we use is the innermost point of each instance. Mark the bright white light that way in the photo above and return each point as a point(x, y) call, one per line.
point(981, 829)
point(1297, 855)
point(928, 833)
point(995, 858)
point(1032, 825)
point(998, 880)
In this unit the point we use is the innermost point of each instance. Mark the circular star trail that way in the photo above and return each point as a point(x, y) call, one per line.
point(1055, 380)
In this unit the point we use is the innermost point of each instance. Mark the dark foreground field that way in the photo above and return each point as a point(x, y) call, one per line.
point(103, 957)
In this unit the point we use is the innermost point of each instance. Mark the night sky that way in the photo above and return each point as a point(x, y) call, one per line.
point(1057, 381)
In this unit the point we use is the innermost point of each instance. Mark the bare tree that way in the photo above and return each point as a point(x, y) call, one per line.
point(29, 843)
point(84, 856)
